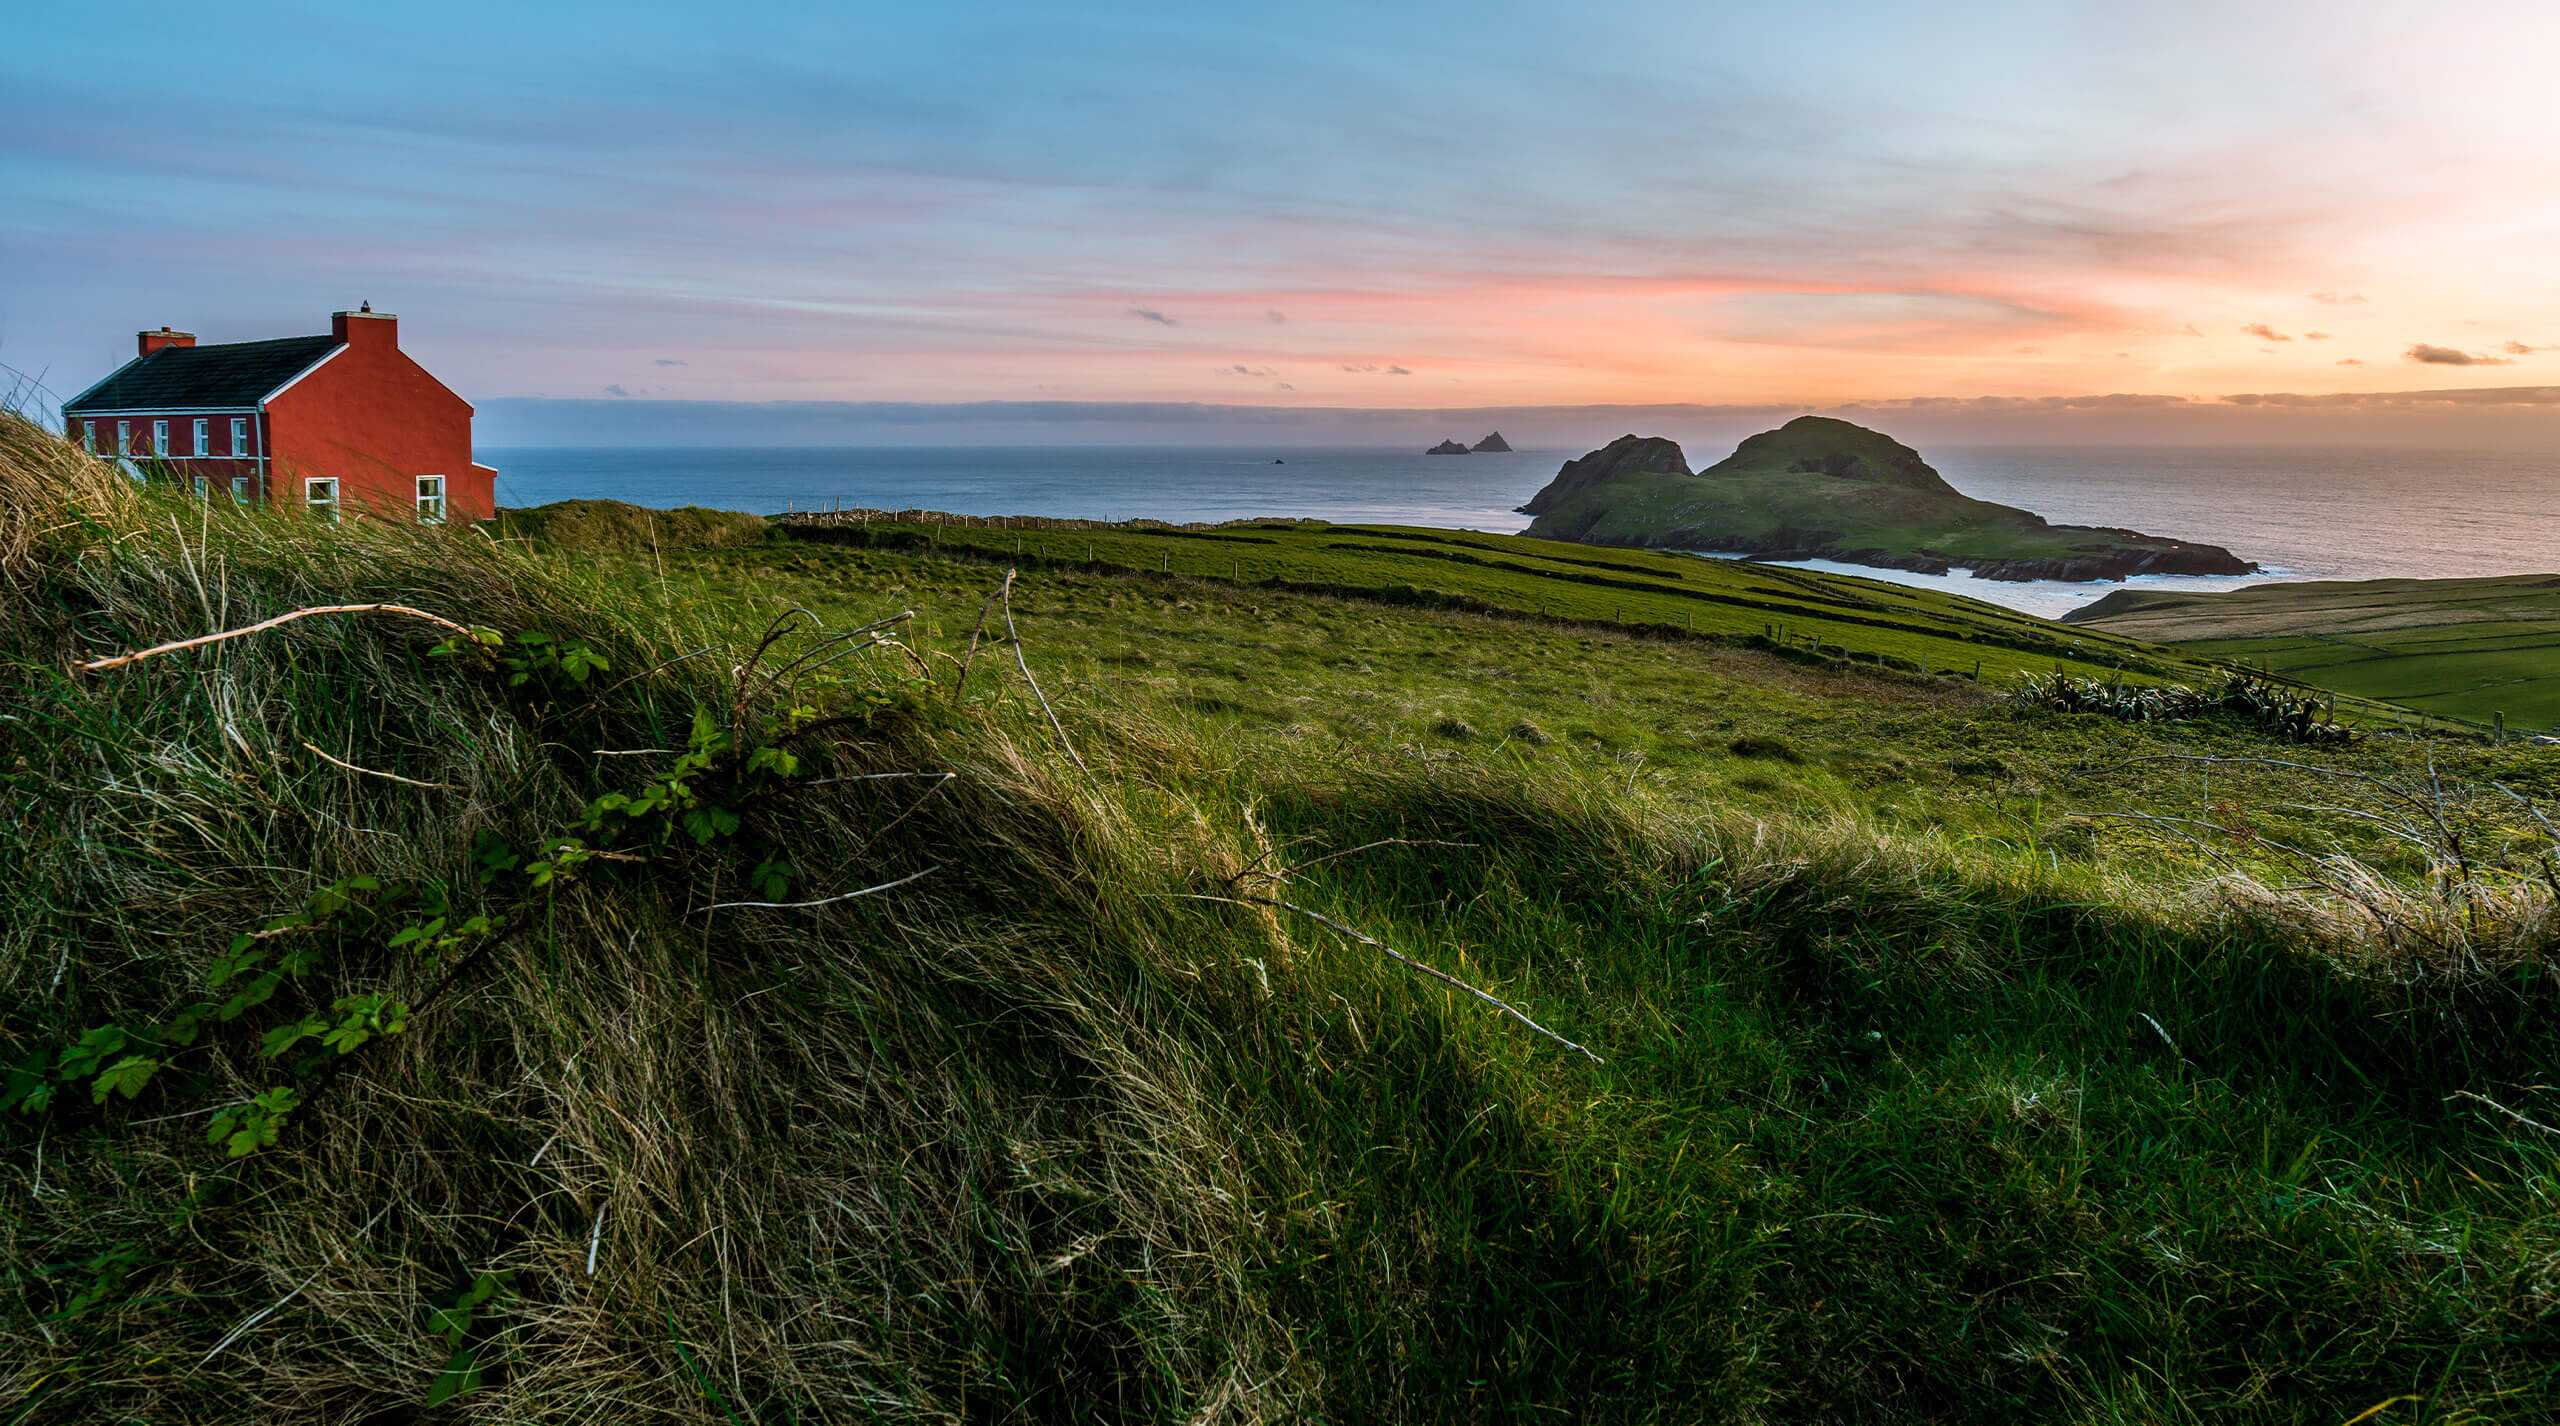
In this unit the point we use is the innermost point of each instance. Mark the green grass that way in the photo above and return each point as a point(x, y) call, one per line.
point(1535, 583)
point(2467, 648)
point(602, 525)
point(1931, 1093)
point(1510, 574)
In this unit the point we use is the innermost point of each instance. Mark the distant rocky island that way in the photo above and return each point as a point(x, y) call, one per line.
point(1818, 488)
point(1494, 442)
point(1448, 448)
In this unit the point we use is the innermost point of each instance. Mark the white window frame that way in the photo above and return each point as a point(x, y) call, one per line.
point(204, 488)
point(240, 490)
point(204, 436)
point(160, 438)
point(320, 496)
point(239, 435)
point(89, 437)
point(124, 439)
point(431, 503)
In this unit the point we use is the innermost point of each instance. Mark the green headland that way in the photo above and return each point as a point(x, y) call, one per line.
point(619, 965)
point(1819, 488)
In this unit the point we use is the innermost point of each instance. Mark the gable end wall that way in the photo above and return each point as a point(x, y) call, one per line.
point(376, 420)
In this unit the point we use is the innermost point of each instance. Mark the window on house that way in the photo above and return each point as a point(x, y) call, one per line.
point(204, 488)
point(89, 437)
point(239, 435)
point(240, 490)
point(159, 438)
point(204, 438)
point(431, 500)
point(124, 438)
point(320, 493)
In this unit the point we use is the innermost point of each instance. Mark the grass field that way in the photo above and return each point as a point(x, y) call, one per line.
point(1949, 1060)
point(2468, 648)
point(1513, 575)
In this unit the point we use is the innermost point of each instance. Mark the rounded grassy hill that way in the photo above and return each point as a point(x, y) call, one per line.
point(1820, 488)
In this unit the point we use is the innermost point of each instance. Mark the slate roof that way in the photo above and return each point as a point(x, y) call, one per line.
point(233, 374)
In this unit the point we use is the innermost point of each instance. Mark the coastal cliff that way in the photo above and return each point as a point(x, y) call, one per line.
point(1818, 488)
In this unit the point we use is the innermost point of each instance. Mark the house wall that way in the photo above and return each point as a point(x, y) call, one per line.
point(218, 464)
point(375, 420)
point(181, 433)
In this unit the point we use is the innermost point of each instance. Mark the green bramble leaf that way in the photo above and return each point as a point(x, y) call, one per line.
point(90, 1056)
point(364, 1017)
point(771, 879)
point(426, 931)
point(258, 991)
point(243, 1129)
point(461, 1376)
point(275, 1042)
point(184, 1026)
point(27, 1088)
point(126, 1076)
point(245, 954)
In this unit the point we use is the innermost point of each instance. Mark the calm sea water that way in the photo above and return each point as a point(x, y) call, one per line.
point(2302, 512)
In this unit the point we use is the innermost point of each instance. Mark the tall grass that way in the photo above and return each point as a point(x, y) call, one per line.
point(1891, 1128)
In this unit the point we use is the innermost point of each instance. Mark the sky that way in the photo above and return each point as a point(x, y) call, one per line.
point(1999, 217)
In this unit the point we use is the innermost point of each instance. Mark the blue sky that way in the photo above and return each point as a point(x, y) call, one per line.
point(1419, 205)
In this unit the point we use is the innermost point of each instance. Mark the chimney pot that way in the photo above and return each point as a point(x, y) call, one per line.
point(365, 327)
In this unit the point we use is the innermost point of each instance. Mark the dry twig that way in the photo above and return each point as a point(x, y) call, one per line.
point(822, 901)
point(1496, 1001)
point(2521, 1119)
point(385, 776)
point(120, 660)
point(1060, 728)
point(1284, 873)
point(980, 627)
point(240, 1331)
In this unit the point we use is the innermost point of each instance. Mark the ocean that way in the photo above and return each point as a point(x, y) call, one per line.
point(2301, 512)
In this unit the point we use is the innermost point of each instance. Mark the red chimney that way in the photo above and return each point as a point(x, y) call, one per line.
point(365, 327)
point(149, 342)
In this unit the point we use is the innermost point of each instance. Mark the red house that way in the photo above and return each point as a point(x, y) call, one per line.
point(345, 421)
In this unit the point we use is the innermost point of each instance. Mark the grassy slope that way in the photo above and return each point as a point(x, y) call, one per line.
point(2464, 647)
point(1758, 497)
point(1883, 1134)
point(1514, 577)
point(1522, 576)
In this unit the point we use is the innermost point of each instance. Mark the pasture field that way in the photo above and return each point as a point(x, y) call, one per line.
point(1516, 575)
point(2465, 648)
point(1165, 995)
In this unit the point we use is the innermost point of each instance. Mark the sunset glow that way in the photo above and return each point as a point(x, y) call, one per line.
point(1324, 206)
